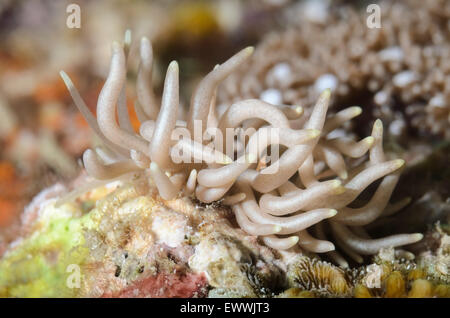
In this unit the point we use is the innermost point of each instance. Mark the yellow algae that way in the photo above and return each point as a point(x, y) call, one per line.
point(395, 285)
point(361, 291)
point(416, 274)
point(421, 288)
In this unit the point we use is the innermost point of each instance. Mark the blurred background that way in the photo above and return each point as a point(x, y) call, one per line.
point(42, 135)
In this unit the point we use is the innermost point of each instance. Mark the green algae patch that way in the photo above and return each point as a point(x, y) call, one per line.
point(46, 263)
point(55, 258)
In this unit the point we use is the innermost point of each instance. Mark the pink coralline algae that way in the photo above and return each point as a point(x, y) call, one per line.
point(163, 285)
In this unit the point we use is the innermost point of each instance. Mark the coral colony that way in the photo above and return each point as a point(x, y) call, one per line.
point(287, 176)
point(401, 68)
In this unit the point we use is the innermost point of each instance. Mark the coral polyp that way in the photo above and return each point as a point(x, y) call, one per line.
point(400, 68)
point(307, 173)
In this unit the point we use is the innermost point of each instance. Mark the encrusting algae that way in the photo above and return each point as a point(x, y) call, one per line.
point(132, 244)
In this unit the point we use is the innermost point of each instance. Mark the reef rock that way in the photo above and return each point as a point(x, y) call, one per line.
point(123, 240)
